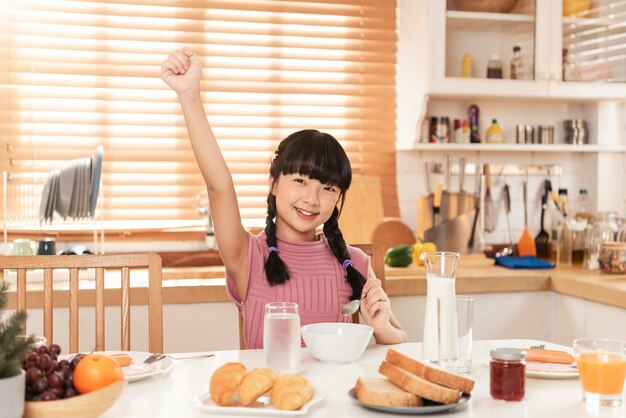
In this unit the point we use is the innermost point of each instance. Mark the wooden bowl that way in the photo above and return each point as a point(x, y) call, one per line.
point(90, 405)
point(488, 6)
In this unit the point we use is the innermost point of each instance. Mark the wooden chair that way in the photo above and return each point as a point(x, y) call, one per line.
point(377, 263)
point(123, 262)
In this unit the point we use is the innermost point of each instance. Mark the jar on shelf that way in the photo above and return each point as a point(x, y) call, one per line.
point(507, 374)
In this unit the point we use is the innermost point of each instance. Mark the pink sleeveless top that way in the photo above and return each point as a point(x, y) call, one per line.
point(317, 284)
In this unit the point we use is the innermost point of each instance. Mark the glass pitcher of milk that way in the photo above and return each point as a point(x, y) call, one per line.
point(440, 282)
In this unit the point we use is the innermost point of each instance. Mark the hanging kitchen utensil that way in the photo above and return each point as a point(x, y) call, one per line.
point(445, 198)
point(437, 204)
point(429, 190)
point(477, 193)
point(453, 234)
point(491, 218)
point(462, 194)
point(509, 249)
point(526, 244)
point(542, 240)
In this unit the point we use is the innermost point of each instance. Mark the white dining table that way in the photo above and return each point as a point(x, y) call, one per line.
point(171, 394)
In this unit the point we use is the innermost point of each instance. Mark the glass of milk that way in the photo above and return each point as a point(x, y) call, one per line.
point(281, 337)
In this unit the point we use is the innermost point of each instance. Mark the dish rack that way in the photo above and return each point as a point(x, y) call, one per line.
point(22, 195)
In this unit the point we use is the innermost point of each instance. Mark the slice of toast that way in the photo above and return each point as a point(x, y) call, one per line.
point(419, 386)
point(430, 373)
point(377, 391)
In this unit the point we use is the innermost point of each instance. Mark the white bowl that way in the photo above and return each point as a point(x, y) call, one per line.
point(336, 342)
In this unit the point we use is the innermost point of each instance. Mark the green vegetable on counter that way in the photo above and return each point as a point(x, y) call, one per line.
point(399, 256)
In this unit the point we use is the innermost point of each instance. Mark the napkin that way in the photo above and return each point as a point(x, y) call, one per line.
point(525, 262)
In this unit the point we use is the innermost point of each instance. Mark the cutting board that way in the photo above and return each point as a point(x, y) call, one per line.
point(392, 232)
point(362, 211)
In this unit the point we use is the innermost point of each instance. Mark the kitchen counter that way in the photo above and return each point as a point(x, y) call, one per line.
point(476, 274)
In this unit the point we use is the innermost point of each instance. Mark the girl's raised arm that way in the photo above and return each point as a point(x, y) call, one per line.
point(181, 71)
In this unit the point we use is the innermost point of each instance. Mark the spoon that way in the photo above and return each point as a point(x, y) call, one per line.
point(350, 307)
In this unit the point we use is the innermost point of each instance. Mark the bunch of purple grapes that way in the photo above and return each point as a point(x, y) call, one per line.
point(46, 378)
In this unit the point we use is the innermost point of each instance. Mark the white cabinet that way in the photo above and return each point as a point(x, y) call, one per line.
point(596, 46)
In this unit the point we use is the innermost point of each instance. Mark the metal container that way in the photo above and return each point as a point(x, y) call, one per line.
point(576, 131)
point(524, 134)
point(439, 129)
point(545, 134)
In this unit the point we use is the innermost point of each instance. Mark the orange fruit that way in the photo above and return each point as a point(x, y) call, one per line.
point(96, 371)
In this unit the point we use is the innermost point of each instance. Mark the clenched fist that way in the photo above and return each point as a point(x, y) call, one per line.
point(181, 71)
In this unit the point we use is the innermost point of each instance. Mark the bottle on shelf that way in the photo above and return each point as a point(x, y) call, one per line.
point(494, 134)
point(466, 66)
point(473, 114)
point(583, 206)
point(494, 66)
point(517, 65)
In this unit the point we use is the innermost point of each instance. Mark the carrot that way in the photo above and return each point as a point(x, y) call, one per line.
point(122, 359)
point(548, 356)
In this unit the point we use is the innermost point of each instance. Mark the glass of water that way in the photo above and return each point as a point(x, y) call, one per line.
point(281, 337)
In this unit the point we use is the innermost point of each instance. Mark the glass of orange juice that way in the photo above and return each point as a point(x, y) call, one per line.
point(602, 369)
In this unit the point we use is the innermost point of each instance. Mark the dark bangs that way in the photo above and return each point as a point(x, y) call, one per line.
point(316, 155)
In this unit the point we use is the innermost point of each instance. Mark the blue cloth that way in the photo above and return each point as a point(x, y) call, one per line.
point(525, 262)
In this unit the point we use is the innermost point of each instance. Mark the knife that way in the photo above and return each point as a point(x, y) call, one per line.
point(437, 204)
point(445, 199)
point(461, 204)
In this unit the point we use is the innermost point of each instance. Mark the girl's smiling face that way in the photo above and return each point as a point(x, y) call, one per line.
point(302, 204)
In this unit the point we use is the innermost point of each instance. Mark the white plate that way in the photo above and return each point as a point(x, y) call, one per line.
point(545, 370)
point(66, 187)
point(137, 370)
point(427, 409)
point(262, 407)
point(96, 170)
point(45, 199)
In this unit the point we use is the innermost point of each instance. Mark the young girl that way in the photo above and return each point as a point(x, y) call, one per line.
point(309, 176)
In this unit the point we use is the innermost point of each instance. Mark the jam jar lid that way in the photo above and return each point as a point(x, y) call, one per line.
point(514, 354)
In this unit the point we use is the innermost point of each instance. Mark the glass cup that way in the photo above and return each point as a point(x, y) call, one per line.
point(46, 246)
point(602, 368)
point(22, 246)
point(281, 337)
point(454, 319)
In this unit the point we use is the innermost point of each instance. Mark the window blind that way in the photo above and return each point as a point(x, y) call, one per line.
point(78, 74)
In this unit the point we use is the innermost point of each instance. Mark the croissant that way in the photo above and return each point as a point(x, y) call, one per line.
point(225, 382)
point(256, 383)
point(291, 392)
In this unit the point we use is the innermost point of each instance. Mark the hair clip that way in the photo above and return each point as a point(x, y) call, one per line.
point(346, 263)
point(275, 155)
point(273, 250)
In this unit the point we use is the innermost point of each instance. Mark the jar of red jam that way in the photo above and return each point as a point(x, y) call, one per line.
point(507, 374)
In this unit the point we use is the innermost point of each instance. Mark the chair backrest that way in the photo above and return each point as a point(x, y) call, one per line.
point(123, 262)
point(377, 263)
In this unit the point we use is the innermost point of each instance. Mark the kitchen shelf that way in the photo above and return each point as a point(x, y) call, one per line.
point(575, 91)
point(451, 147)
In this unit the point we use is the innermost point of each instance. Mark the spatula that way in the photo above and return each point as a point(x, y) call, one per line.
point(542, 239)
point(526, 244)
